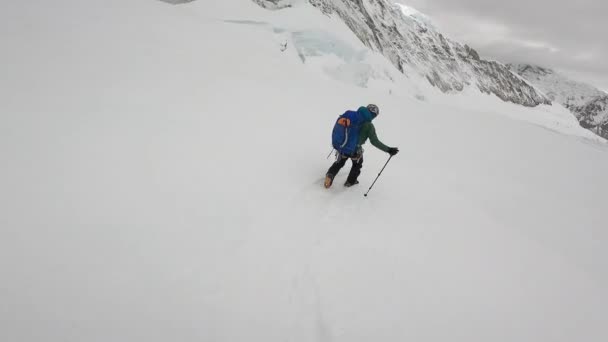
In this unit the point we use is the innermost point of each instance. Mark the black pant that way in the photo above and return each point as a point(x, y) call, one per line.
point(355, 170)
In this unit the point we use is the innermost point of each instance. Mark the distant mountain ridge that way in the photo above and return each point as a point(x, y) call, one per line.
point(410, 41)
point(587, 103)
point(413, 45)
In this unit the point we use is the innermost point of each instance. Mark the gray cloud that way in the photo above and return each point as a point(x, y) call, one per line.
point(571, 36)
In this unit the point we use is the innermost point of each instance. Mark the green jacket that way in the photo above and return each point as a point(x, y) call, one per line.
point(368, 131)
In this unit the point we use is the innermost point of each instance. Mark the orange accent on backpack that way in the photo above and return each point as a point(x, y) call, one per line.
point(344, 122)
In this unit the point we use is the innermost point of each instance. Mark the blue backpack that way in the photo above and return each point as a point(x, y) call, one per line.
point(345, 136)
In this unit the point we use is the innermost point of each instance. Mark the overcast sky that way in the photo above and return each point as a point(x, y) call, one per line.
point(569, 36)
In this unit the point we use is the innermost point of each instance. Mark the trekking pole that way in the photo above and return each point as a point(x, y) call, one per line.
point(370, 188)
point(330, 152)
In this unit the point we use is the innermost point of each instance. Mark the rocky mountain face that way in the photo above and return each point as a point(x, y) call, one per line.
point(413, 45)
point(273, 4)
point(588, 104)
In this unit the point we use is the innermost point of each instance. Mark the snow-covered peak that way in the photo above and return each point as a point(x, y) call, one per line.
point(531, 69)
point(557, 86)
point(411, 12)
point(586, 102)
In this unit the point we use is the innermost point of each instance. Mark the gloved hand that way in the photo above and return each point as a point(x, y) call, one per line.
point(393, 150)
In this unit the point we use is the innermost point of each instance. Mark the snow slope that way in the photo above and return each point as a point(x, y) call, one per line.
point(161, 181)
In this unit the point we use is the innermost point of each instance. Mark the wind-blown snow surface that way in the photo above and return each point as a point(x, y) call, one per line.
point(161, 181)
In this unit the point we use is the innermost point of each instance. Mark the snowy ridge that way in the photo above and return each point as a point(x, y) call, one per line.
point(415, 14)
point(413, 45)
point(586, 102)
point(334, 51)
